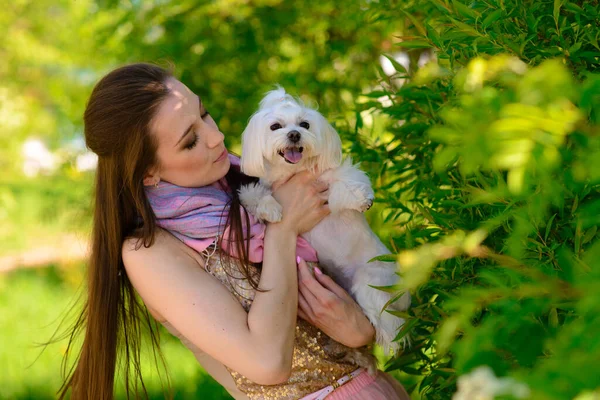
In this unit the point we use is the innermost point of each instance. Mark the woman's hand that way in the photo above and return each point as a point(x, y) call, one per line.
point(304, 201)
point(326, 305)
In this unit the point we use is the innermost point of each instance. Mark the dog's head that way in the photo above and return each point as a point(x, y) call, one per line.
point(283, 133)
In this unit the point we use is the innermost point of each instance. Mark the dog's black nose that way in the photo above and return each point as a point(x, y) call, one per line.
point(294, 136)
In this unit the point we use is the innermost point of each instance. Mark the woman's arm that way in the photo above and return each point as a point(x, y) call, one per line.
point(326, 305)
point(200, 308)
point(272, 316)
point(258, 344)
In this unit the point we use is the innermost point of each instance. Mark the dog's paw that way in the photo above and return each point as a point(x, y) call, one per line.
point(335, 349)
point(269, 209)
point(366, 205)
point(359, 197)
point(362, 358)
point(364, 197)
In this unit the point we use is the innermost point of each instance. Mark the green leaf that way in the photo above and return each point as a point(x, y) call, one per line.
point(397, 66)
point(441, 5)
point(359, 121)
point(402, 361)
point(385, 258)
point(408, 325)
point(556, 11)
point(388, 289)
point(589, 234)
point(548, 227)
point(466, 28)
point(574, 8)
point(433, 35)
point(414, 44)
point(464, 10)
point(412, 371)
point(446, 371)
point(578, 238)
point(377, 93)
point(394, 298)
point(492, 17)
point(553, 318)
point(416, 22)
point(573, 49)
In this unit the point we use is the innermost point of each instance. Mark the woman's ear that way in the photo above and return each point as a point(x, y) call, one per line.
point(151, 178)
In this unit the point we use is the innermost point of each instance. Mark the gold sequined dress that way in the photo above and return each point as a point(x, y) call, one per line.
point(312, 367)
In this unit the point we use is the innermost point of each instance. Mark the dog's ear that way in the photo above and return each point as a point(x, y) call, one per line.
point(331, 146)
point(252, 162)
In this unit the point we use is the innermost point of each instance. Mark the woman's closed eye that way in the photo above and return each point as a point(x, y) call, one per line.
point(193, 143)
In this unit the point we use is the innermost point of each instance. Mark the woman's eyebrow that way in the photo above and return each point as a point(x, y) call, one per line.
point(191, 126)
point(184, 134)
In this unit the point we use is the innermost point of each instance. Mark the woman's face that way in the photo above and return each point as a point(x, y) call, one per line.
point(191, 152)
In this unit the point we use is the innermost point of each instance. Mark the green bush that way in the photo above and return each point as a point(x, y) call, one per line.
point(488, 177)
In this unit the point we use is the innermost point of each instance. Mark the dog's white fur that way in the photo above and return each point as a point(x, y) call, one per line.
point(343, 240)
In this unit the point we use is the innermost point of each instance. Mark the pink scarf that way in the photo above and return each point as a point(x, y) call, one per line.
point(197, 216)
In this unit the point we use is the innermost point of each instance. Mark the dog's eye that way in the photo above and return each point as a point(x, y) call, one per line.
point(275, 126)
point(304, 125)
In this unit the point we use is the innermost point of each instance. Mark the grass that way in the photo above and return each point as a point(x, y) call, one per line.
point(34, 212)
point(32, 303)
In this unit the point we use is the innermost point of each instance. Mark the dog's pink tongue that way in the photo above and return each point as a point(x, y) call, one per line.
point(292, 155)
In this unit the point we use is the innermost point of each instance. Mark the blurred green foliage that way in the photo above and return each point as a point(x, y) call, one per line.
point(487, 169)
point(229, 52)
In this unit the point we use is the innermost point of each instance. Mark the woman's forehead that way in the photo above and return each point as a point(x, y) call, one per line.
point(175, 114)
point(179, 90)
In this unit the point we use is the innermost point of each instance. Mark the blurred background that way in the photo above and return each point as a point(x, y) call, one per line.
point(476, 120)
point(229, 52)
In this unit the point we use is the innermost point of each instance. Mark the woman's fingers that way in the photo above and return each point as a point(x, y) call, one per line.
point(302, 315)
point(322, 189)
point(320, 186)
point(304, 309)
point(326, 305)
point(309, 286)
point(301, 200)
point(304, 280)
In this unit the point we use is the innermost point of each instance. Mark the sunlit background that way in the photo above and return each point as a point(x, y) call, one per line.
point(477, 121)
point(229, 52)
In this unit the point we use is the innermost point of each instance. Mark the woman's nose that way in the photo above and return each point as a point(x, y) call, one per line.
point(215, 137)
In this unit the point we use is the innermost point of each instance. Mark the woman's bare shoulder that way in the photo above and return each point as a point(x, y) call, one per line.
point(164, 245)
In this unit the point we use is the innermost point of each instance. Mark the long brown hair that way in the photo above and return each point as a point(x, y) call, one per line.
point(117, 128)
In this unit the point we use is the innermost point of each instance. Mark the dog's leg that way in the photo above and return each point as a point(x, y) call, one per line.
point(259, 202)
point(373, 301)
point(349, 188)
point(386, 325)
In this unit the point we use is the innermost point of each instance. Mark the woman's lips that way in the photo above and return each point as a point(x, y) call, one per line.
point(222, 156)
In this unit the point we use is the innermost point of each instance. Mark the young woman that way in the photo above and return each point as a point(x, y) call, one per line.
point(238, 317)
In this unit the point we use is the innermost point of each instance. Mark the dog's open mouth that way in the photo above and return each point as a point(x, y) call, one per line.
point(291, 155)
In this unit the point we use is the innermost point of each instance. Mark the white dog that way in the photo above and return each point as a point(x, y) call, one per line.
point(284, 137)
